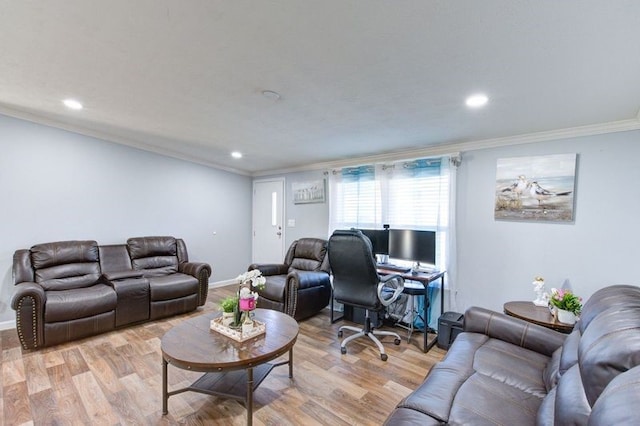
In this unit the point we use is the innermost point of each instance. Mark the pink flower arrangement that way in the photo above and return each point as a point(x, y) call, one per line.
point(566, 300)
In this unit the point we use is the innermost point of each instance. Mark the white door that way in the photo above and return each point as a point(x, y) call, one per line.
point(268, 217)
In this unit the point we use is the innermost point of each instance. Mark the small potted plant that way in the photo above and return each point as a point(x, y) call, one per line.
point(567, 304)
point(229, 306)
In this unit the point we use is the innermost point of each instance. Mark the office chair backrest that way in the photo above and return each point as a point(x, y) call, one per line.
point(355, 278)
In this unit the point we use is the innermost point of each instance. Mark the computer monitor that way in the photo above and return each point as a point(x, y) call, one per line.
point(413, 245)
point(379, 240)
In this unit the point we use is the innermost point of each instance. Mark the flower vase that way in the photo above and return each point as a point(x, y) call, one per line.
point(247, 324)
point(247, 304)
point(566, 317)
point(227, 318)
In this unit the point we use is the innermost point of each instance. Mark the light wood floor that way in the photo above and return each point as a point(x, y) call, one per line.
point(116, 378)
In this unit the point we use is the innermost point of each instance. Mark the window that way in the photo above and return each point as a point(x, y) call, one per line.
point(412, 194)
point(405, 195)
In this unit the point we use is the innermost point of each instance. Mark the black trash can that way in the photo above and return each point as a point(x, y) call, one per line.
point(449, 326)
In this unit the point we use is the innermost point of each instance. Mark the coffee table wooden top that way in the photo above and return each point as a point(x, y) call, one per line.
point(536, 314)
point(192, 345)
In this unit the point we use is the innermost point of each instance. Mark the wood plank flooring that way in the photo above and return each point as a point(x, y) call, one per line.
point(116, 378)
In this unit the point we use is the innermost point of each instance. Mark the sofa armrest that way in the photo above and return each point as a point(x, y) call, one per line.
point(306, 279)
point(121, 275)
point(28, 302)
point(201, 271)
point(270, 268)
point(512, 330)
point(300, 280)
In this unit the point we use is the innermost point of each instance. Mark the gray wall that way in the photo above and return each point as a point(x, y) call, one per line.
point(57, 185)
point(311, 220)
point(497, 260)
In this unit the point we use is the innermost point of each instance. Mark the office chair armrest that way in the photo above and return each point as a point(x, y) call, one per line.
point(385, 278)
point(392, 281)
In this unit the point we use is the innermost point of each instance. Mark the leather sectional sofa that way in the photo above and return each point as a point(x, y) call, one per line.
point(502, 370)
point(73, 289)
point(300, 286)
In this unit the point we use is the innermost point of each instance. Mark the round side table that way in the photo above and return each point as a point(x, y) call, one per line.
point(536, 314)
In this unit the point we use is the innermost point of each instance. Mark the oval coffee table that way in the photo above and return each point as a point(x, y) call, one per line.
point(233, 369)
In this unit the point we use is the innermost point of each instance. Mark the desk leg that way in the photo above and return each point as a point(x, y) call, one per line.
point(432, 344)
point(165, 397)
point(442, 294)
point(426, 319)
point(249, 396)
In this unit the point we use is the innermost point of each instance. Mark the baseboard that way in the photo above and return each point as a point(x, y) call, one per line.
point(223, 283)
point(7, 325)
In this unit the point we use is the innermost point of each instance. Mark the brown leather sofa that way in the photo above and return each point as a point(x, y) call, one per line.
point(502, 370)
point(73, 289)
point(300, 286)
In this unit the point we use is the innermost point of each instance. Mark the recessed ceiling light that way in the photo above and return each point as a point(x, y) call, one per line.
point(72, 104)
point(270, 94)
point(236, 154)
point(476, 101)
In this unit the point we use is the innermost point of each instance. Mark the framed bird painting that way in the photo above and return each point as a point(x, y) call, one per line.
point(539, 188)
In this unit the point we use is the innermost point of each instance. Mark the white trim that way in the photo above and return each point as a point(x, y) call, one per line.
point(8, 325)
point(46, 121)
point(448, 148)
point(430, 150)
point(223, 283)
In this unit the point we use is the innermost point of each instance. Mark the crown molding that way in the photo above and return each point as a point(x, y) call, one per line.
point(105, 136)
point(431, 150)
point(457, 147)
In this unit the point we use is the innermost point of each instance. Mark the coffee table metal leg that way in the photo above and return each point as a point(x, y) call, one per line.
point(165, 397)
point(249, 396)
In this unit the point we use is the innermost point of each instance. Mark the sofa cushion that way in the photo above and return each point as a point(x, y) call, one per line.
point(114, 258)
point(512, 365)
point(546, 415)
point(618, 404)
point(609, 346)
point(603, 299)
point(274, 288)
point(569, 356)
point(483, 400)
point(571, 406)
point(156, 256)
point(308, 254)
point(65, 305)
point(66, 265)
point(551, 372)
point(172, 286)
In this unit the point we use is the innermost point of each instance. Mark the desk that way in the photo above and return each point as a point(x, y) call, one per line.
point(424, 278)
point(536, 315)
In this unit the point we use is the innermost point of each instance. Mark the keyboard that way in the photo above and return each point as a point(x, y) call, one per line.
point(394, 268)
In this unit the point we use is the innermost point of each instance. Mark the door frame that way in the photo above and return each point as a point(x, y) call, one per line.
point(283, 206)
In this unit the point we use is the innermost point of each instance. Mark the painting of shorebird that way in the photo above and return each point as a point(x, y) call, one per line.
point(539, 188)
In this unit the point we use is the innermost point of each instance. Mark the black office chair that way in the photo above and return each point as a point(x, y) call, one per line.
point(356, 283)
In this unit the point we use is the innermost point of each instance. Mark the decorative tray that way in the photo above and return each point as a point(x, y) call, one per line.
point(238, 335)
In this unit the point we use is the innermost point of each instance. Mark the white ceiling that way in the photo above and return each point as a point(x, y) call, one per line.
point(357, 78)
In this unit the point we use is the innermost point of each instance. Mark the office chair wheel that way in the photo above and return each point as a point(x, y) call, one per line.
point(340, 333)
point(343, 350)
point(384, 357)
point(396, 342)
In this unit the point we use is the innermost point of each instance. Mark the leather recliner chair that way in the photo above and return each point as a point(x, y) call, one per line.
point(300, 286)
